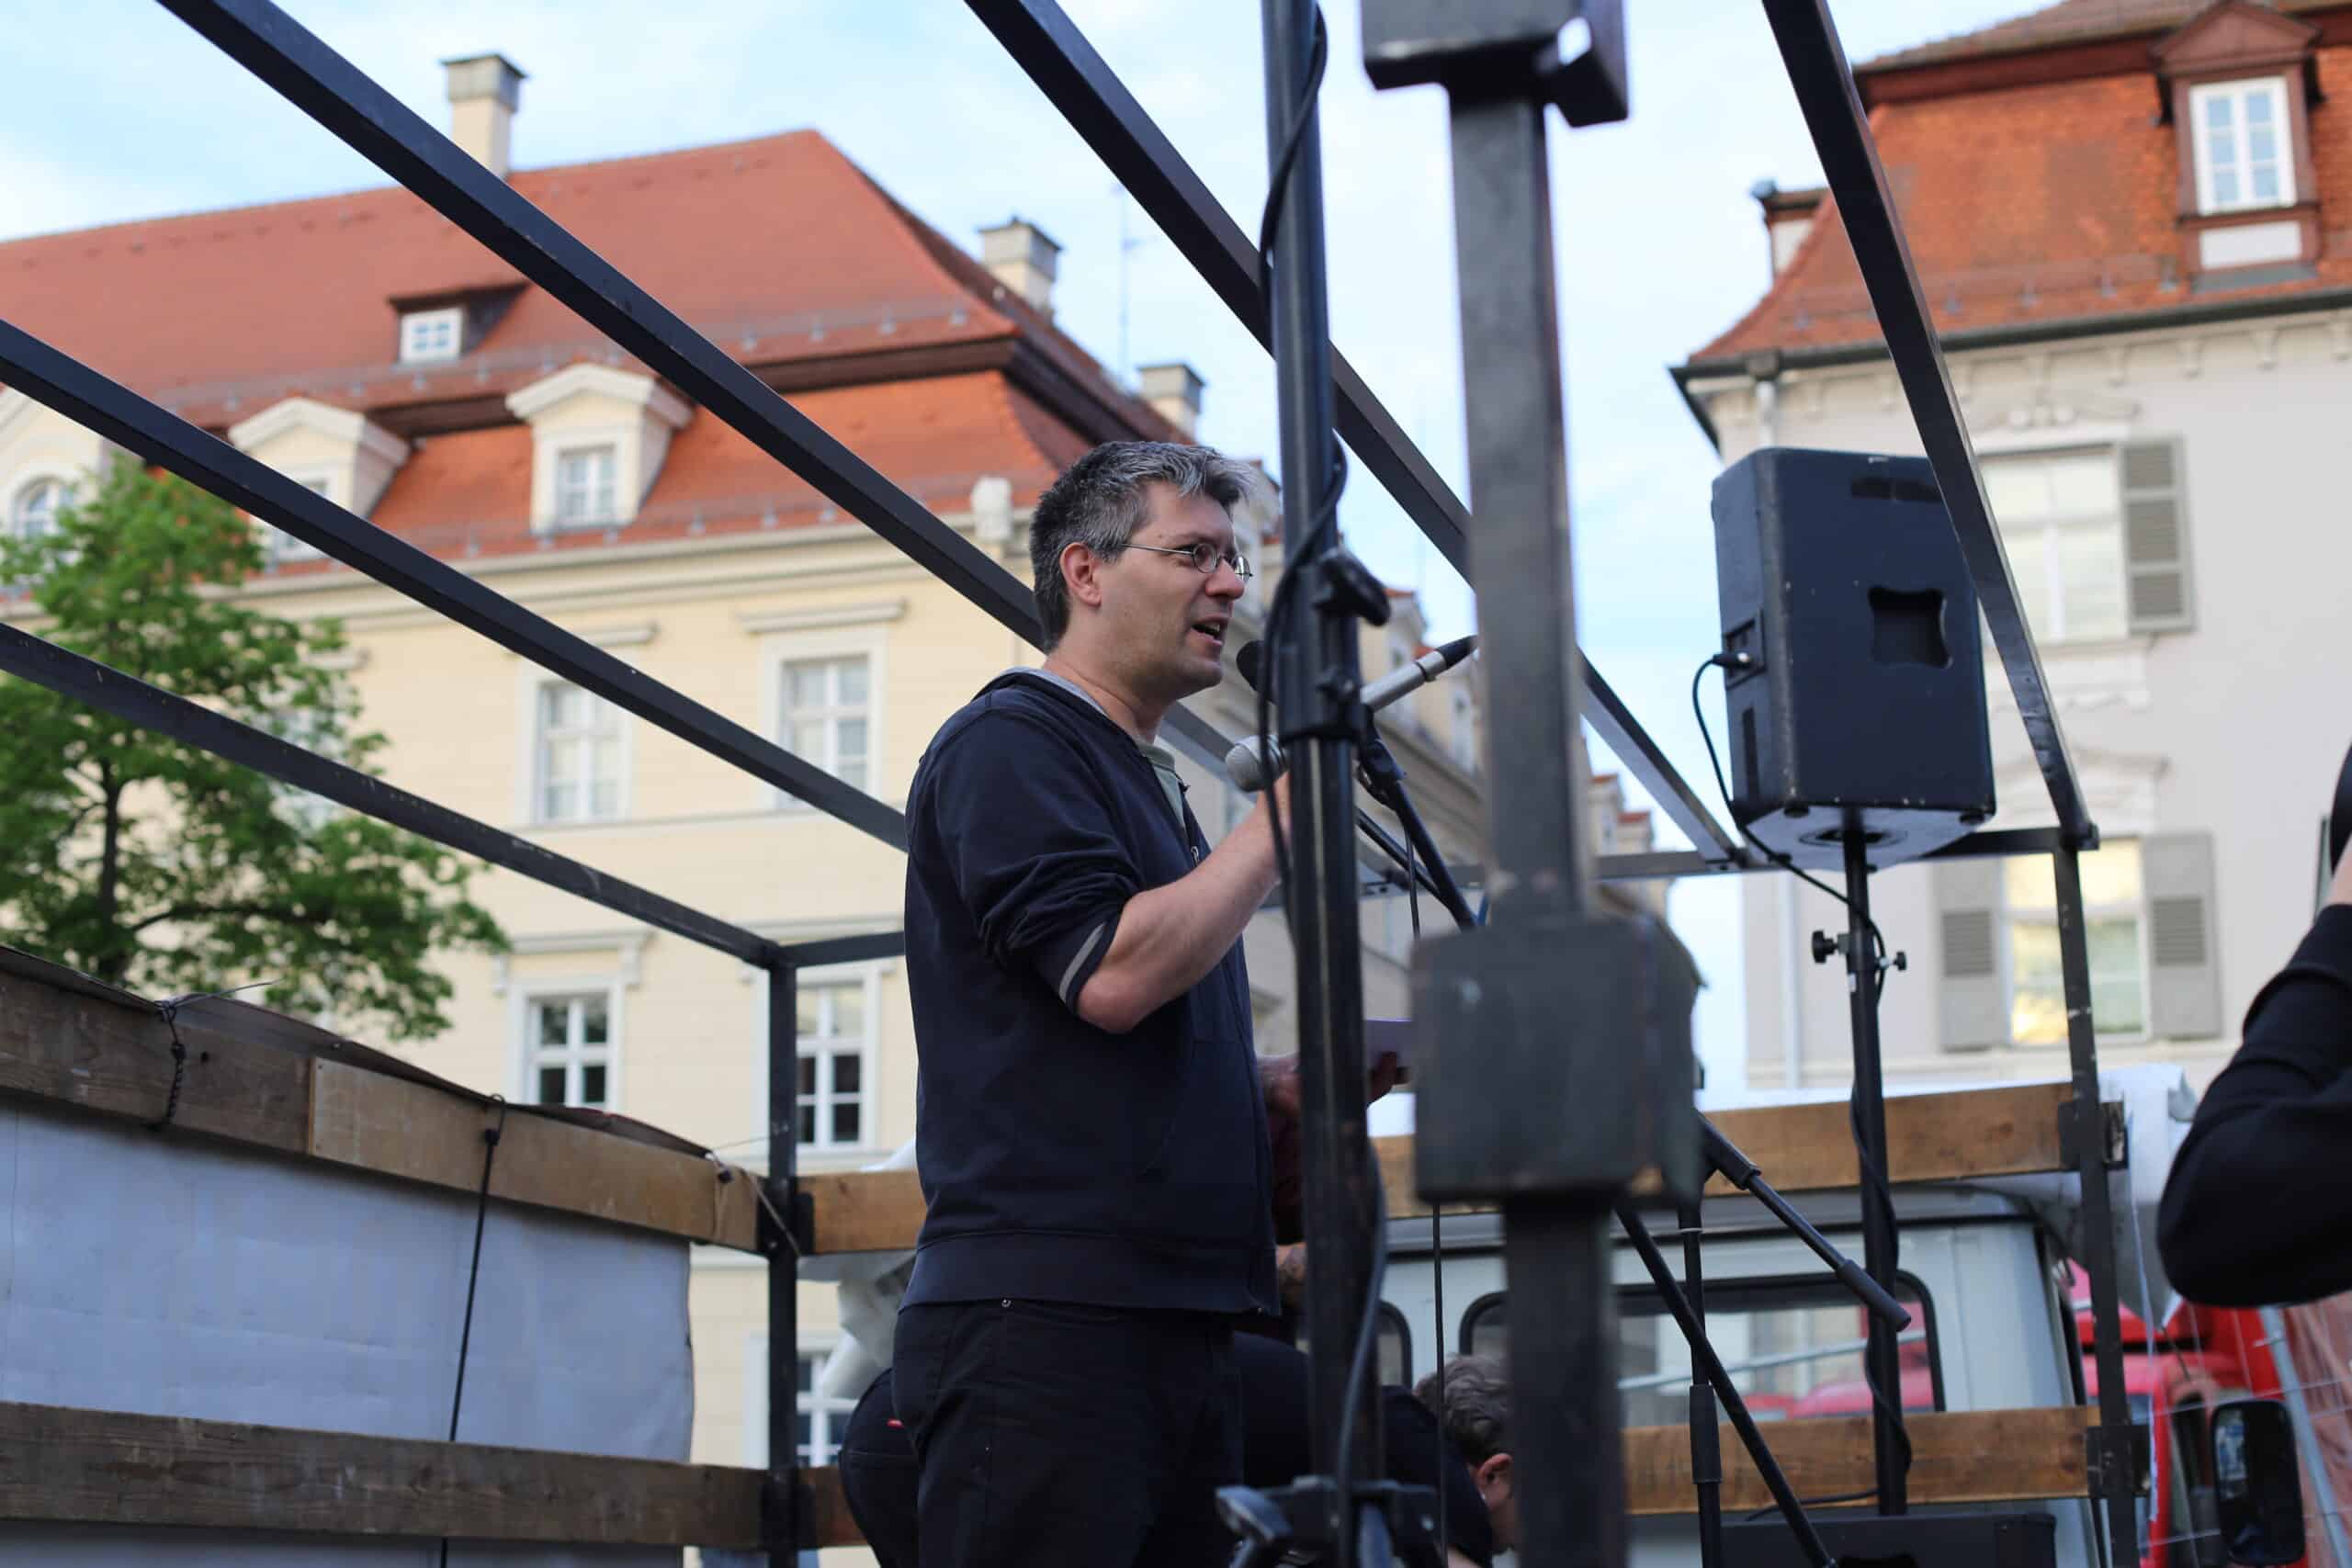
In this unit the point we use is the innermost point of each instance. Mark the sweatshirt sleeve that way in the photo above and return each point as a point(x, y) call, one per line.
point(2257, 1208)
point(1028, 831)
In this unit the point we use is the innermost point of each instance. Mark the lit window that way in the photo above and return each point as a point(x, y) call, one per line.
point(2243, 146)
point(832, 1090)
point(2112, 923)
point(430, 335)
point(583, 485)
point(570, 1049)
point(34, 511)
point(822, 1419)
point(2061, 517)
point(825, 719)
point(579, 755)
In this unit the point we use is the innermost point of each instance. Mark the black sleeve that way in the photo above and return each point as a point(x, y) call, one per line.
point(1029, 835)
point(2257, 1209)
point(1411, 1437)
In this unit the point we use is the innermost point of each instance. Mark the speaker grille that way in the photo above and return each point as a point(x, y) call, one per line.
point(1968, 943)
point(2176, 932)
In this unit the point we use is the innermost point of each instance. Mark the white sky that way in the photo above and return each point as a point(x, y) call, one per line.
point(112, 110)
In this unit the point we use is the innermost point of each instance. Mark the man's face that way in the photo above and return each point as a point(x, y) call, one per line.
point(1163, 621)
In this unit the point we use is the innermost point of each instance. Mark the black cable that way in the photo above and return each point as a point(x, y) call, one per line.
point(1862, 1496)
point(1270, 221)
point(1367, 1336)
point(489, 1137)
point(1437, 1257)
point(1877, 1190)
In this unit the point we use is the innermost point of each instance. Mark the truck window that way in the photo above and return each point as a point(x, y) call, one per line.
point(1793, 1349)
point(1394, 1354)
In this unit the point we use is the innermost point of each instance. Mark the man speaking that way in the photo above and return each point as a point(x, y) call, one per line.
point(1092, 1121)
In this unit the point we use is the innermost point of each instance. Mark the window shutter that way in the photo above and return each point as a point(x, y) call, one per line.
point(1973, 1004)
point(2155, 537)
point(2184, 970)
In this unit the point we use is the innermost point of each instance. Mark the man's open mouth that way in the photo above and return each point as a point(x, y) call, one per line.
point(1213, 630)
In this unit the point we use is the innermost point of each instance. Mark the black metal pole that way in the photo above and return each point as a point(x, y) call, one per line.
point(1566, 1438)
point(2117, 1477)
point(1706, 1443)
point(1316, 663)
point(783, 1500)
point(1882, 1356)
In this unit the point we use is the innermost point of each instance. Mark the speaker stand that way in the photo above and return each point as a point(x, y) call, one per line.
point(1865, 977)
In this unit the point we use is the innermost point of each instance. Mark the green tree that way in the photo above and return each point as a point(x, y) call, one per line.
point(163, 869)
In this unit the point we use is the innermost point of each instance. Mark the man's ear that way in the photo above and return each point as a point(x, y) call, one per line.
point(1494, 1472)
point(1081, 574)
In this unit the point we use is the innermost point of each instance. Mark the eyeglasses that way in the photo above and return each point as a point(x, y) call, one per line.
point(1205, 557)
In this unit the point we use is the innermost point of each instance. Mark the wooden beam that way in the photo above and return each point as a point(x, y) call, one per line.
point(2007, 1131)
point(59, 1465)
point(1984, 1456)
point(96, 1053)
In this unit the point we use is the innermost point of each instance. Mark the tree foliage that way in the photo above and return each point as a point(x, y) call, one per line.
point(163, 869)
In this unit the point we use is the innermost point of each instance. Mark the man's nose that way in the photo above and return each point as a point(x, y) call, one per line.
point(1226, 582)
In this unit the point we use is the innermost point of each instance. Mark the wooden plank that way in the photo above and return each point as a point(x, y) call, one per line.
point(1979, 1456)
point(103, 1467)
point(829, 1522)
point(1953, 1136)
point(1989, 1456)
point(411, 1130)
point(113, 1057)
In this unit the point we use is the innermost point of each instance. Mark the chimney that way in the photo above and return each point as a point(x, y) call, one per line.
point(1174, 391)
point(484, 92)
point(1020, 255)
point(1788, 218)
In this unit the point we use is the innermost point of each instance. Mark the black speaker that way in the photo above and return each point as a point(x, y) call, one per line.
point(1859, 707)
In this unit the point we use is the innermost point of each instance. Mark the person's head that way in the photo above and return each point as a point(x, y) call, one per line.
point(1115, 547)
point(1477, 1415)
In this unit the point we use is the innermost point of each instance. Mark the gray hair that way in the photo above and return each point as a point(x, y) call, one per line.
point(1477, 1414)
point(1101, 501)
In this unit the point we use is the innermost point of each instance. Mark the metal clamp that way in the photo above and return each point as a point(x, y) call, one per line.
point(2105, 1447)
point(1503, 49)
point(2114, 1145)
point(776, 1231)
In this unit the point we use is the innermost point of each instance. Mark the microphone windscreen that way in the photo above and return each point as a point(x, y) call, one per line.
point(1249, 661)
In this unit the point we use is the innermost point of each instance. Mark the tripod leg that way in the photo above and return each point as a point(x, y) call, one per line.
point(1735, 1407)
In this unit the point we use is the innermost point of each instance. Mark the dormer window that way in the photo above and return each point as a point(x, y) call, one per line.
point(431, 337)
point(2244, 151)
point(598, 437)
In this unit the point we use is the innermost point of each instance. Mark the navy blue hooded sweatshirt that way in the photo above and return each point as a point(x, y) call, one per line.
point(1061, 1162)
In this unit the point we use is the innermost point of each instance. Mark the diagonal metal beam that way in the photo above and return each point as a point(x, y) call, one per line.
point(150, 707)
point(1089, 94)
point(1841, 133)
point(347, 102)
point(132, 422)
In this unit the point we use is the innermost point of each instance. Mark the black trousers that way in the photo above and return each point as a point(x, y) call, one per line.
point(1052, 1434)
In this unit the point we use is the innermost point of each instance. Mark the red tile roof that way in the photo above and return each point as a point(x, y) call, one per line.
point(2040, 202)
point(2068, 22)
point(780, 250)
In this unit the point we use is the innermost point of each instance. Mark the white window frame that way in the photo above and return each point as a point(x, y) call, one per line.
point(280, 546)
point(21, 491)
point(2275, 89)
point(863, 640)
point(418, 326)
point(830, 715)
point(530, 783)
point(2054, 633)
point(2006, 917)
point(611, 513)
point(523, 1076)
point(836, 1411)
point(869, 976)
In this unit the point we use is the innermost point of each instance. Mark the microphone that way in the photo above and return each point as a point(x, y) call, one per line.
point(1251, 772)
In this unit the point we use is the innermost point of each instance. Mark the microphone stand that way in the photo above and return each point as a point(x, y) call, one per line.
point(1384, 780)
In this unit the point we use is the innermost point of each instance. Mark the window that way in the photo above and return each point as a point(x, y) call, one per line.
point(583, 485)
point(824, 719)
point(1465, 729)
point(580, 761)
point(34, 511)
point(823, 1419)
point(308, 729)
point(2244, 151)
point(2061, 517)
point(430, 335)
point(833, 1088)
point(570, 1049)
point(2112, 900)
point(281, 546)
point(1793, 1349)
